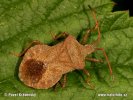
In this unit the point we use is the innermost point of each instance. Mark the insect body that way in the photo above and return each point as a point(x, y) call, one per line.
point(43, 66)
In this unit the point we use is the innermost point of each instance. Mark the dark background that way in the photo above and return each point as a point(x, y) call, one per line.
point(123, 5)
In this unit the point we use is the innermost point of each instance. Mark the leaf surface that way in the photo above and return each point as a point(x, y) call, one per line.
point(22, 21)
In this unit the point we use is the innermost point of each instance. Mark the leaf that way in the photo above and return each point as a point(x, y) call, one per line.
point(22, 21)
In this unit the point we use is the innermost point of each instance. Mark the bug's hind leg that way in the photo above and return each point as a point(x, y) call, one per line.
point(64, 80)
point(62, 84)
point(29, 46)
point(88, 79)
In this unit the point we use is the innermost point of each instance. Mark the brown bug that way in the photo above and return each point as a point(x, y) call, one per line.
point(43, 66)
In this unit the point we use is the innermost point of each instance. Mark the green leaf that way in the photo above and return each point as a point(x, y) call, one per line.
point(22, 21)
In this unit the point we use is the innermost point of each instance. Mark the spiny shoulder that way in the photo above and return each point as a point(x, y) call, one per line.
point(70, 37)
point(71, 40)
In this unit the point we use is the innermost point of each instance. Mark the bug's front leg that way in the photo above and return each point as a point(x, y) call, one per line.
point(88, 32)
point(24, 51)
point(60, 35)
point(96, 27)
point(88, 79)
point(85, 37)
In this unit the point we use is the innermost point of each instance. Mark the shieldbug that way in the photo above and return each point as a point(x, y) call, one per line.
point(43, 66)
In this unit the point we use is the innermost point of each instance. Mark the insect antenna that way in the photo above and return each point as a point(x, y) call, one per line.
point(95, 43)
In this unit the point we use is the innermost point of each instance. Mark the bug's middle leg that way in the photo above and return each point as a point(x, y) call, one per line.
point(93, 59)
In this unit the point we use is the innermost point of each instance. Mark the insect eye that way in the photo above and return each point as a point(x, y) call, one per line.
point(33, 70)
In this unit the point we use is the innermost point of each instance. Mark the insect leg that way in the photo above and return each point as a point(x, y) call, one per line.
point(85, 37)
point(55, 86)
point(95, 43)
point(64, 80)
point(24, 51)
point(87, 34)
point(104, 53)
point(93, 59)
point(60, 35)
point(62, 84)
point(88, 79)
point(96, 27)
point(86, 72)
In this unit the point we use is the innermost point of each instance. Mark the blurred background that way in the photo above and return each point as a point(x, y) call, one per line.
point(122, 5)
